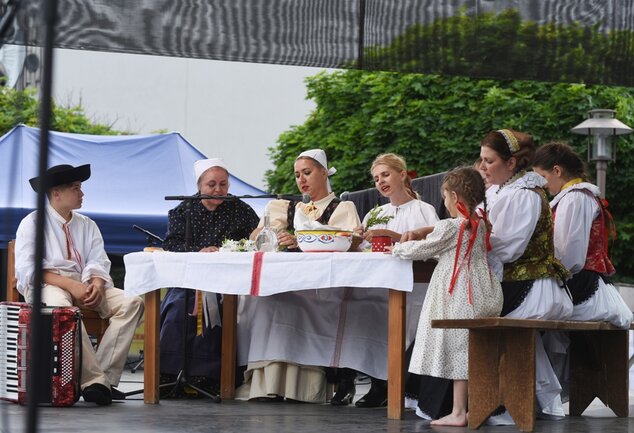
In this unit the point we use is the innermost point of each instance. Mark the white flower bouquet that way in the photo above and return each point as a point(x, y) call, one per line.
point(241, 246)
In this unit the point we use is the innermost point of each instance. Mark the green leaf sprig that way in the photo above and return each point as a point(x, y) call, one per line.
point(374, 218)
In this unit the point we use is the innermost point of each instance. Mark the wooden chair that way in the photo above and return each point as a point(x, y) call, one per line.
point(94, 324)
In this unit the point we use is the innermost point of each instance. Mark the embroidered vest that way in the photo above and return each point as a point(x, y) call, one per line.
point(538, 260)
point(597, 258)
point(323, 219)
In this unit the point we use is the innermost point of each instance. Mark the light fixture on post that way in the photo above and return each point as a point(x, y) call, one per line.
point(601, 127)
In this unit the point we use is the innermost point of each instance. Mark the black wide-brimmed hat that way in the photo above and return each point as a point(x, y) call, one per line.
point(60, 175)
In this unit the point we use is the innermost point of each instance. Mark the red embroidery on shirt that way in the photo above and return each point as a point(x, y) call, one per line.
point(71, 251)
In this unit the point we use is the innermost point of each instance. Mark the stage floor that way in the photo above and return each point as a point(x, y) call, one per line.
point(194, 415)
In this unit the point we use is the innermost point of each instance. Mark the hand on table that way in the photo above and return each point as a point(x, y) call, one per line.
point(285, 239)
point(377, 232)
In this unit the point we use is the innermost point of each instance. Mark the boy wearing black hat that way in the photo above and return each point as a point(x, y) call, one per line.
point(76, 271)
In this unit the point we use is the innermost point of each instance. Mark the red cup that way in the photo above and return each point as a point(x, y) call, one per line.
point(380, 242)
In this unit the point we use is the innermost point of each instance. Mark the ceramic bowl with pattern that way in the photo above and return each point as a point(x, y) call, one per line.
point(323, 240)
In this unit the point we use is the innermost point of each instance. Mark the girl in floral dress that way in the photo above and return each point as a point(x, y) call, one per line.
point(462, 286)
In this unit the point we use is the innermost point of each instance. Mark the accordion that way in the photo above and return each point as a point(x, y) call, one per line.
point(58, 379)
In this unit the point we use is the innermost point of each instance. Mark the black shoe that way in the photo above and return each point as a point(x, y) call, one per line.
point(376, 397)
point(97, 393)
point(116, 394)
point(344, 395)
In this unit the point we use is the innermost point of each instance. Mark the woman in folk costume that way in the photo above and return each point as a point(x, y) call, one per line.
point(405, 212)
point(522, 254)
point(462, 286)
point(583, 225)
point(211, 222)
point(287, 338)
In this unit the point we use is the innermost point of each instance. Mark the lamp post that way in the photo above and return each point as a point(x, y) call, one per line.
point(601, 127)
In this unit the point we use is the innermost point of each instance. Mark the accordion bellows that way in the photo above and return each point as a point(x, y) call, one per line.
point(58, 379)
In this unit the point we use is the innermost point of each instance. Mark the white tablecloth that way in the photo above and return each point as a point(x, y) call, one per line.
point(344, 325)
point(231, 273)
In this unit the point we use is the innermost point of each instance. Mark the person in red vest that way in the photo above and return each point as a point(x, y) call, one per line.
point(583, 226)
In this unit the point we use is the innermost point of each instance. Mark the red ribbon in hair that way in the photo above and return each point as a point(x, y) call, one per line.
point(472, 222)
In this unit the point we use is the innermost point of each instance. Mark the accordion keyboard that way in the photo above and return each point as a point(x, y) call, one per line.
point(9, 359)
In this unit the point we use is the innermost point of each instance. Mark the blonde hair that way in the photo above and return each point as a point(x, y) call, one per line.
point(398, 164)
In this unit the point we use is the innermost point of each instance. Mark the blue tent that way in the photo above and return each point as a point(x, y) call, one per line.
point(131, 175)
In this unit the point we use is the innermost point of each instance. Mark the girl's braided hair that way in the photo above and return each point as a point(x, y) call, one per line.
point(467, 183)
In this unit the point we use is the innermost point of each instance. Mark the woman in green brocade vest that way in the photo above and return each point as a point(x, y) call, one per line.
point(522, 254)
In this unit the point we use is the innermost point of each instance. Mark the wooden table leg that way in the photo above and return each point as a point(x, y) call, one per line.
point(228, 355)
point(151, 347)
point(396, 354)
point(599, 368)
point(502, 372)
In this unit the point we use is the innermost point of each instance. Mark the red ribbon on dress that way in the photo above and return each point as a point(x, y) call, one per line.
point(471, 221)
point(256, 272)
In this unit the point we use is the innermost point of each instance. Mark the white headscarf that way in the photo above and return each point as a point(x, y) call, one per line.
point(202, 165)
point(319, 156)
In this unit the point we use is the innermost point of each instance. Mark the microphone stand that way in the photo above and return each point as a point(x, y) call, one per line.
point(182, 378)
point(151, 240)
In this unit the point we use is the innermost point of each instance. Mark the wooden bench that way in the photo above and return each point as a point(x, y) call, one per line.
point(93, 323)
point(502, 366)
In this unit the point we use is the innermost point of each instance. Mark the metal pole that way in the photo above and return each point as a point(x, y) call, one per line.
point(361, 42)
point(602, 168)
point(37, 348)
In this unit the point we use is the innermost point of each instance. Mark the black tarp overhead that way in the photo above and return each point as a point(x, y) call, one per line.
point(554, 40)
